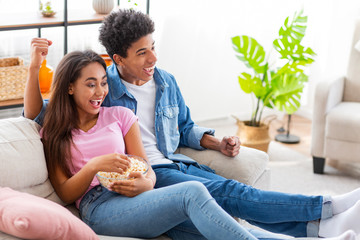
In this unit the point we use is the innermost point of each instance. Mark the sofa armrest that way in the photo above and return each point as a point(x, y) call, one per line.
point(327, 95)
point(246, 167)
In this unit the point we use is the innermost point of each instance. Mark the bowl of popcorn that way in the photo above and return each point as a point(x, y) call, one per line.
point(137, 164)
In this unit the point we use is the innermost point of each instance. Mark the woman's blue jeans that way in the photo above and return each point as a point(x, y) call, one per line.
point(291, 214)
point(153, 213)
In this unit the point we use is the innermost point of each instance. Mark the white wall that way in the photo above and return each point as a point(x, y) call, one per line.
point(193, 42)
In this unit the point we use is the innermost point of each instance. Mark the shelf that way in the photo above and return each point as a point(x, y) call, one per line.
point(35, 20)
point(32, 20)
point(18, 102)
point(65, 18)
point(11, 103)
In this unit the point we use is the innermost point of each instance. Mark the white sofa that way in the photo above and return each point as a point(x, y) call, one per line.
point(336, 125)
point(23, 167)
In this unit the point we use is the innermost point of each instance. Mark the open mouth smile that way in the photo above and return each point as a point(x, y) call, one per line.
point(96, 103)
point(149, 71)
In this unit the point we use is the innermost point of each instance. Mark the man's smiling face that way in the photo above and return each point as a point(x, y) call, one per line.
point(138, 67)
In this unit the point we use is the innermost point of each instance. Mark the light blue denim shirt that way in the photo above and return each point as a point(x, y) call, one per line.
point(173, 125)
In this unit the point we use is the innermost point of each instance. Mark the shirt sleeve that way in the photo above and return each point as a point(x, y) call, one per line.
point(126, 119)
point(195, 135)
point(39, 119)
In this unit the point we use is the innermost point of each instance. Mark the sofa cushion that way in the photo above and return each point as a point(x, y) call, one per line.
point(27, 216)
point(23, 165)
point(343, 122)
point(246, 167)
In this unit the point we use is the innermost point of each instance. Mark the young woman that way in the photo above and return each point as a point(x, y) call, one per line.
point(81, 138)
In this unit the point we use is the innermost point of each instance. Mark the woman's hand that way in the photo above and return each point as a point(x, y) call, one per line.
point(113, 162)
point(39, 50)
point(133, 187)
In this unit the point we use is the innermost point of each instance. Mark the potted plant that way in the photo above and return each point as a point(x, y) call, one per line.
point(46, 9)
point(274, 84)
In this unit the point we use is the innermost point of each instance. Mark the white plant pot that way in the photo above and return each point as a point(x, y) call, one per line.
point(103, 6)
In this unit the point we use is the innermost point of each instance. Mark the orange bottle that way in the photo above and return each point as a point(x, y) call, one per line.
point(45, 77)
point(107, 59)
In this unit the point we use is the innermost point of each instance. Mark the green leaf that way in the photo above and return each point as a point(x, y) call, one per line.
point(293, 51)
point(250, 84)
point(293, 67)
point(295, 30)
point(281, 84)
point(250, 52)
point(288, 89)
point(290, 35)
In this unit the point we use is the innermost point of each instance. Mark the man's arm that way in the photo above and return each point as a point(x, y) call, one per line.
point(229, 146)
point(32, 95)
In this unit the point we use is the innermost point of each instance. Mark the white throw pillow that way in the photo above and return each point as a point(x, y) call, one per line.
point(22, 160)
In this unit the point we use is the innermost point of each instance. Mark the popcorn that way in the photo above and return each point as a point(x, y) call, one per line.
point(105, 178)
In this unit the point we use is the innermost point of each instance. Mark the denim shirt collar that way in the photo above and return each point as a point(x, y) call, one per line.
point(118, 89)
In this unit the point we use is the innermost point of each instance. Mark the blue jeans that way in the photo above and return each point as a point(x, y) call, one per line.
point(290, 214)
point(153, 213)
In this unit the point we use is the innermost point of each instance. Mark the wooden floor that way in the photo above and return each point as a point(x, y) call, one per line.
point(299, 126)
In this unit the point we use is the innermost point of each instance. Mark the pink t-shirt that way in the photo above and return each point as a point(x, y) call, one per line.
point(107, 136)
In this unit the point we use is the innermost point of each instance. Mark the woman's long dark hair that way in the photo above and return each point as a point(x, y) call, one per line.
point(61, 116)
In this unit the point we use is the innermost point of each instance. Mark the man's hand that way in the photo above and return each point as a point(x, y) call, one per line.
point(33, 101)
point(230, 146)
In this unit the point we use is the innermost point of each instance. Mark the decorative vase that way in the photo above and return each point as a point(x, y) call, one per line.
point(45, 77)
point(255, 137)
point(107, 59)
point(103, 6)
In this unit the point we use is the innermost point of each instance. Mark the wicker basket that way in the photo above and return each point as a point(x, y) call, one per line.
point(12, 78)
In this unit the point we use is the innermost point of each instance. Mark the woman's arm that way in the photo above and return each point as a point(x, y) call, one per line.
point(141, 183)
point(71, 189)
point(32, 96)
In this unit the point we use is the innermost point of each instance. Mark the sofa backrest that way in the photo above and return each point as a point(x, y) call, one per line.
point(22, 160)
point(352, 83)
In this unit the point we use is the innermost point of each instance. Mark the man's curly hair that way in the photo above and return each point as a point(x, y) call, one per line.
point(122, 28)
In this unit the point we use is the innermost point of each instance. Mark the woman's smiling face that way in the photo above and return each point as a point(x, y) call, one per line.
point(90, 89)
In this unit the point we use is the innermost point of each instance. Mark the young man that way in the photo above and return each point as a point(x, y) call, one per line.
point(165, 124)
